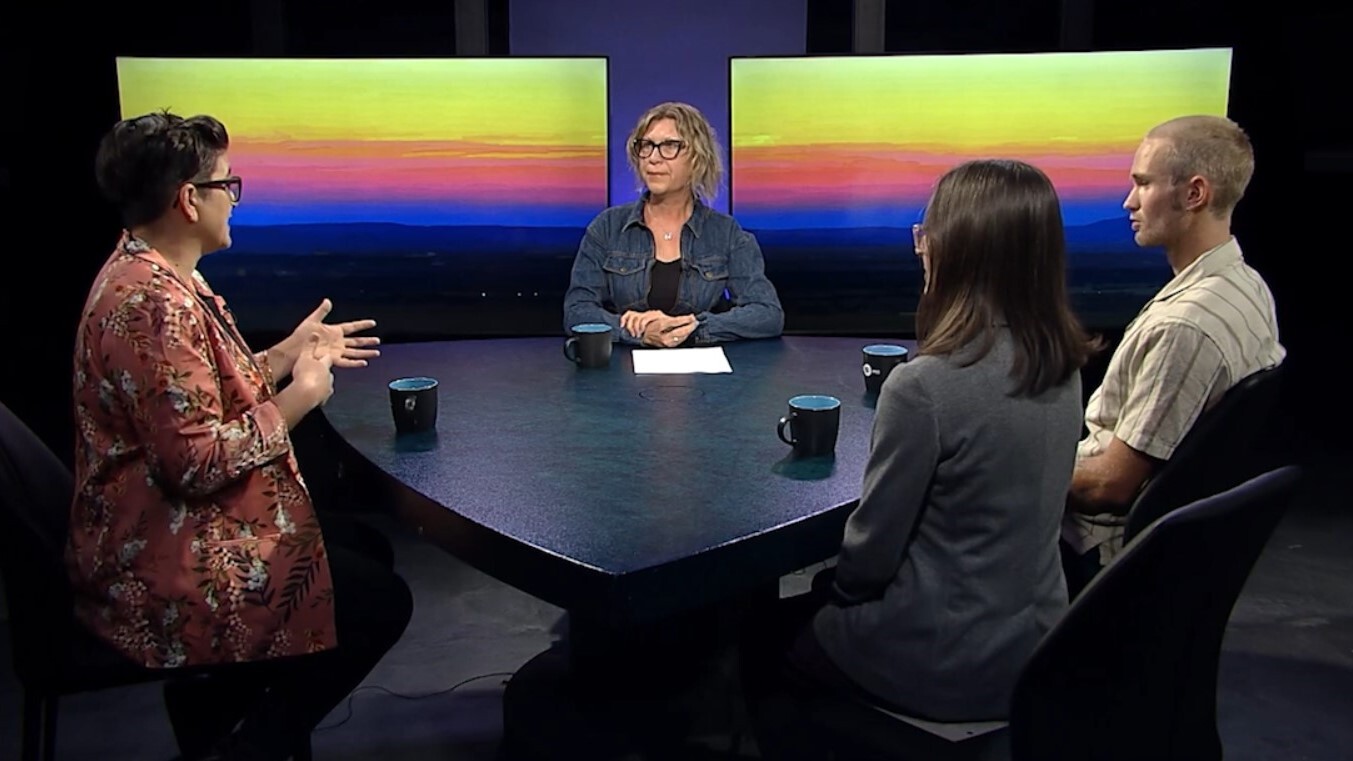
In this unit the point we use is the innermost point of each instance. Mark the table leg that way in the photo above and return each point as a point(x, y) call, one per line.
point(668, 689)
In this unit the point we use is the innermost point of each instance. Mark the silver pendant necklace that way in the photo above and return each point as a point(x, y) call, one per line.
point(648, 218)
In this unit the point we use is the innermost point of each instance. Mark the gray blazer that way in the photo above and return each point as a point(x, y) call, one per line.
point(949, 571)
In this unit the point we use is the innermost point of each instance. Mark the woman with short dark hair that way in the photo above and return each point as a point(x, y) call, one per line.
point(194, 544)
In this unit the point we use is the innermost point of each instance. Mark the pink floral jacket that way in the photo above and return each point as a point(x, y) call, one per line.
point(193, 539)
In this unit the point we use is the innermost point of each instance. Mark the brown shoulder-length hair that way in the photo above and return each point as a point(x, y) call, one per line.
point(997, 256)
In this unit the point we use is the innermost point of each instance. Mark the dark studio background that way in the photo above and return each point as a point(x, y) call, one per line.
point(62, 96)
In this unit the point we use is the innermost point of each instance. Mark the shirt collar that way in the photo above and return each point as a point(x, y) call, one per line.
point(1209, 264)
point(131, 245)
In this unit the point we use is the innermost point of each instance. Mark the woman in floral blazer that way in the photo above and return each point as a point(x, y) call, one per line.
point(194, 544)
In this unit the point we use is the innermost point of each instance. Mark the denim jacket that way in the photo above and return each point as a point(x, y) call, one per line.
point(723, 281)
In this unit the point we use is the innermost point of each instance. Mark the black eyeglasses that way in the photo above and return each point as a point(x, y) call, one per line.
point(668, 149)
point(231, 185)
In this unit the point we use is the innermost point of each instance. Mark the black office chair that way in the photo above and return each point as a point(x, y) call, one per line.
point(1233, 441)
point(53, 654)
point(1129, 673)
point(1237, 438)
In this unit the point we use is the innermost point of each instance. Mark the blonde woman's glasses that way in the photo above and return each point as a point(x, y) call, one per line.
point(668, 149)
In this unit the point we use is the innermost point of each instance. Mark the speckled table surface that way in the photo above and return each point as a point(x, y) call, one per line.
point(624, 496)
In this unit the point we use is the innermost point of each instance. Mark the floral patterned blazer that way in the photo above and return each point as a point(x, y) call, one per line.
point(193, 539)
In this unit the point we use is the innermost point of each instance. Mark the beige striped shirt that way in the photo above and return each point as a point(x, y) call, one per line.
point(1207, 329)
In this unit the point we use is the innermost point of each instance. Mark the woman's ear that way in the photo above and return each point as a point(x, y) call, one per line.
point(187, 202)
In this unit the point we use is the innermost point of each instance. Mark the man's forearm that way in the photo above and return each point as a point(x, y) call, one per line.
point(1094, 491)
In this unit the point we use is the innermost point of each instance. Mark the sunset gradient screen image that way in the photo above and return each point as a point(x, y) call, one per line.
point(394, 182)
point(834, 158)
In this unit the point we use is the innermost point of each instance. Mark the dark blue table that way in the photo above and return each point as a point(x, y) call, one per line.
point(639, 503)
point(622, 496)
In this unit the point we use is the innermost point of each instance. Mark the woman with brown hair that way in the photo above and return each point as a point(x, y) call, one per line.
point(949, 572)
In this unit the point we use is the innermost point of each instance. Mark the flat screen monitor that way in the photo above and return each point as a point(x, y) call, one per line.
point(833, 159)
point(426, 193)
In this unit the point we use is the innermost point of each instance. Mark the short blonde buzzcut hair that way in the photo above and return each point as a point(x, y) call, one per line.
point(694, 128)
point(1208, 146)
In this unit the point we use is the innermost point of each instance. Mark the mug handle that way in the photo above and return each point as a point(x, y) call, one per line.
point(570, 344)
point(780, 429)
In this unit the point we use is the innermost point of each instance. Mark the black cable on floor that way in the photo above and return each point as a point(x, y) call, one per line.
point(392, 693)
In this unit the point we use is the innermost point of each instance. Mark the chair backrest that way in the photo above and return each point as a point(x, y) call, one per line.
point(1130, 672)
point(1226, 446)
point(35, 499)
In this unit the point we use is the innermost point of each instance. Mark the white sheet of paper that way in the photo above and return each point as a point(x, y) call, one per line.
point(708, 359)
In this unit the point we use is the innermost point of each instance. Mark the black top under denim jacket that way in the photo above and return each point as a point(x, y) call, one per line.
point(722, 282)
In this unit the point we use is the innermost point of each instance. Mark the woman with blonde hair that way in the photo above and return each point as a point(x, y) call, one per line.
point(666, 269)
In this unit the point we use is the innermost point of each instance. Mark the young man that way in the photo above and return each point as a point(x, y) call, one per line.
point(1207, 329)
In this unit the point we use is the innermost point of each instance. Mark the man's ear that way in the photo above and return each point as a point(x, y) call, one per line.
point(1197, 193)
